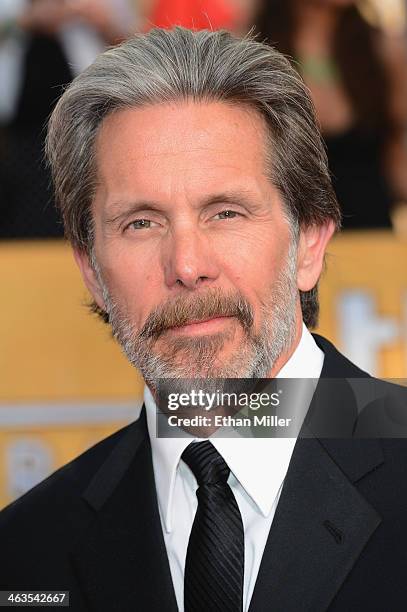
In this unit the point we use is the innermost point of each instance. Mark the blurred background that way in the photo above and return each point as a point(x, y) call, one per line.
point(64, 384)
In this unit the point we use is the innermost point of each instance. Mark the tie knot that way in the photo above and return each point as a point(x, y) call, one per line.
point(206, 463)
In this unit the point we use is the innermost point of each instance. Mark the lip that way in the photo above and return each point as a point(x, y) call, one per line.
point(201, 327)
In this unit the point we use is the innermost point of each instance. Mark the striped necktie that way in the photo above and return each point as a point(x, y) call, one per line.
point(215, 557)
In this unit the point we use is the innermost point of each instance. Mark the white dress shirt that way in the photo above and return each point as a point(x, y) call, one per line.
point(257, 470)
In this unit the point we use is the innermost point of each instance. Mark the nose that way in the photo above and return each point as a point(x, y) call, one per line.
point(188, 260)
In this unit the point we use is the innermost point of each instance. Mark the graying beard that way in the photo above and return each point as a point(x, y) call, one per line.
point(254, 360)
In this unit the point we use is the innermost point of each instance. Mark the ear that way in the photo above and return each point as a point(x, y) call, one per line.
point(89, 277)
point(311, 250)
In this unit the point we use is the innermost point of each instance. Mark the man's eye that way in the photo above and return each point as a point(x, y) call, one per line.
point(140, 224)
point(227, 214)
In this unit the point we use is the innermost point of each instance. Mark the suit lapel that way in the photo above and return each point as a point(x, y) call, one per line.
point(321, 526)
point(121, 562)
point(322, 523)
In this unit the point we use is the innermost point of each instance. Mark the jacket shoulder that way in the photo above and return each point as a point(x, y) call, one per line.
point(63, 485)
point(41, 529)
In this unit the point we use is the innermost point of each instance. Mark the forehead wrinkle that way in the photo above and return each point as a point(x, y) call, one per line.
point(260, 159)
point(253, 115)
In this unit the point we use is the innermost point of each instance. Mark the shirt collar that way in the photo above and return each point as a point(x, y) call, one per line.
point(306, 361)
point(251, 467)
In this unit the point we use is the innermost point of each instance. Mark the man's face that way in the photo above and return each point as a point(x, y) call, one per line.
point(193, 255)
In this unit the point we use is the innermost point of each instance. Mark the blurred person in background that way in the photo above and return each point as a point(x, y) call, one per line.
point(233, 15)
point(357, 75)
point(44, 44)
point(196, 14)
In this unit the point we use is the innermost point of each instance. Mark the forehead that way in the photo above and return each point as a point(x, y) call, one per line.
point(189, 142)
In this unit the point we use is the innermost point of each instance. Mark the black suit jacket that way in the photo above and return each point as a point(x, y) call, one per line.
point(338, 541)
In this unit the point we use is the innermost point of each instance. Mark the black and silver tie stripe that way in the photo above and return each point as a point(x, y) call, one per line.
point(215, 557)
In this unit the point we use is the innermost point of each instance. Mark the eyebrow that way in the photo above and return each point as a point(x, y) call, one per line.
point(127, 209)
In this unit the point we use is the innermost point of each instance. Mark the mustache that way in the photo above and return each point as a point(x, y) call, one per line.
point(181, 310)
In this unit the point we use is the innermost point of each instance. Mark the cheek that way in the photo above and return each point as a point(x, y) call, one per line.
point(253, 272)
point(253, 257)
point(134, 284)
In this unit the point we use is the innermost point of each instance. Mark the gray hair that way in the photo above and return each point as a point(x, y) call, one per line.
point(168, 65)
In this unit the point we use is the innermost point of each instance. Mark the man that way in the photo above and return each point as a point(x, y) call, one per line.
point(194, 189)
